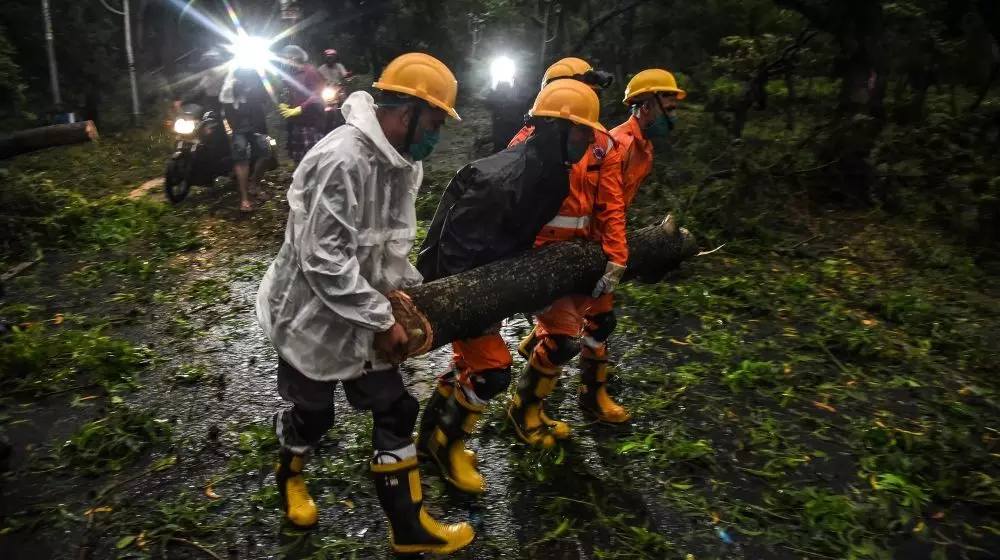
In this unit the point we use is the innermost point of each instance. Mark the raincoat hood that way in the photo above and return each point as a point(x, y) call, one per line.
point(359, 112)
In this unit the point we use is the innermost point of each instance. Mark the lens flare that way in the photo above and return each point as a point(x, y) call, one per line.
point(502, 69)
point(250, 52)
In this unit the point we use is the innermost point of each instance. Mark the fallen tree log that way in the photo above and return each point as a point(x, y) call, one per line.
point(46, 137)
point(467, 304)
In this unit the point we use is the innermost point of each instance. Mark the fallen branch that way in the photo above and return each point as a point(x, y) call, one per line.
point(18, 269)
point(468, 304)
point(599, 22)
point(34, 139)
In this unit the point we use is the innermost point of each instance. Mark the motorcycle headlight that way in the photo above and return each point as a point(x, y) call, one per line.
point(272, 141)
point(502, 69)
point(329, 93)
point(184, 126)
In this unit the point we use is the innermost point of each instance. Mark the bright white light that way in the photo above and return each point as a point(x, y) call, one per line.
point(250, 52)
point(502, 70)
point(184, 126)
point(329, 94)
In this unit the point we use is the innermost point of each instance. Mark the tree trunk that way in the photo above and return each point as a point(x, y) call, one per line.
point(46, 137)
point(468, 304)
point(628, 34)
point(994, 74)
point(790, 101)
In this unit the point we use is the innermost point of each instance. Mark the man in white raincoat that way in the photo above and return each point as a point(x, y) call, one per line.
point(323, 301)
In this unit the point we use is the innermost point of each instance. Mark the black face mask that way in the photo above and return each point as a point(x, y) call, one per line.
point(330, 61)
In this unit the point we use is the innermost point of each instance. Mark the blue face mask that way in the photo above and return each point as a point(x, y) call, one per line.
point(661, 126)
point(575, 152)
point(420, 150)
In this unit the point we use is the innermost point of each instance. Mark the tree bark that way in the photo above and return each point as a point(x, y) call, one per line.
point(790, 101)
point(467, 305)
point(46, 137)
point(983, 91)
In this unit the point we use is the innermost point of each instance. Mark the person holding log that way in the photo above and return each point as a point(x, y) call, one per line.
point(594, 205)
point(323, 303)
point(491, 210)
point(652, 97)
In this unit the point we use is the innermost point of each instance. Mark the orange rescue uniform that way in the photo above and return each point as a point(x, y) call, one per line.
point(594, 209)
point(637, 163)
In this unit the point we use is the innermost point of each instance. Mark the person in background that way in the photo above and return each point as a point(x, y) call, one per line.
point(213, 75)
point(492, 209)
point(302, 107)
point(332, 71)
point(507, 100)
point(244, 106)
point(323, 302)
point(652, 97)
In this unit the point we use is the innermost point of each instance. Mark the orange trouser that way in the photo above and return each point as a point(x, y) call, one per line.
point(564, 316)
point(475, 355)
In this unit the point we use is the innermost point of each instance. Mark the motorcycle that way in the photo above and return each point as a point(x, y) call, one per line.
point(202, 153)
point(333, 97)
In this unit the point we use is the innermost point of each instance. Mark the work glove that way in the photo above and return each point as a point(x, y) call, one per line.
point(612, 276)
point(289, 112)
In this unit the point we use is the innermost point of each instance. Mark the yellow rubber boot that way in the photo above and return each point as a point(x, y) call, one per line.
point(298, 504)
point(558, 428)
point(527, 345)
point(411, 529)
point(447, 447)
point(594, 397)
point(526, 408)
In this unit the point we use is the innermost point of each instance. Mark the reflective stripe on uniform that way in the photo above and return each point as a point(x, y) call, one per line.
point(570, 222)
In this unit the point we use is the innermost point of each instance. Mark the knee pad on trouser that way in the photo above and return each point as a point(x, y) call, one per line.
point(598, 328)
point(554, 350)
point(393, 426)
point(488, 383)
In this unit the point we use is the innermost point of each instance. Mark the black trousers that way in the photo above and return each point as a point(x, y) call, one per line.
point(311, 412)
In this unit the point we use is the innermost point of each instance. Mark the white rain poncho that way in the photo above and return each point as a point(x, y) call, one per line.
point(349, 233)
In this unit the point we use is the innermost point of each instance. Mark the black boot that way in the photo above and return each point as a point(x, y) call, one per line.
point(432, 416)
point(411, 529)
point(447, 446)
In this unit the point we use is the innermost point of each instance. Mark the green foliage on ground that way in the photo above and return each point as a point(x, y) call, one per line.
point(844, 388)
point(37, 359)
point(109, 444)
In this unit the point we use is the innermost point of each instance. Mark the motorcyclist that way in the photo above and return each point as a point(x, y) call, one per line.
point(205, 93)
point(322, 303)
point(332, 71)
point(302, 106)
point(492, 209)
point(244, 101)
point(507, 100)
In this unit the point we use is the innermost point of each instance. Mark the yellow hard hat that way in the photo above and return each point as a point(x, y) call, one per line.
point(422, 76)
point(566, 68)
point(652, 81)
point(570, 100)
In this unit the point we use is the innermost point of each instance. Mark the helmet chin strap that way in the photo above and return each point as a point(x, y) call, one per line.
point(564, 128)
point(411, 131)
